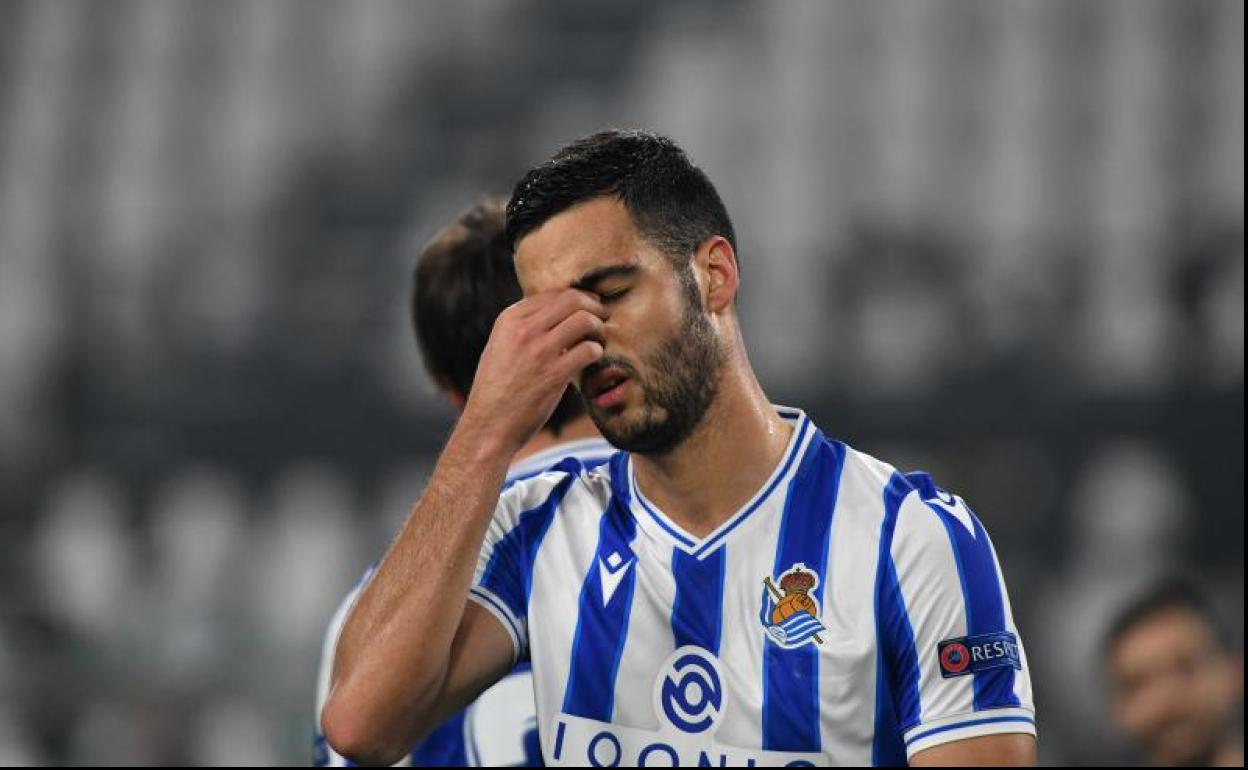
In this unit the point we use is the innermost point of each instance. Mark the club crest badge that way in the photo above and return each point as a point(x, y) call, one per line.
point(788, 614)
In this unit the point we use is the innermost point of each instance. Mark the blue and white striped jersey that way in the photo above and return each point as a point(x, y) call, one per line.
point(499, 728)
point(847, 614)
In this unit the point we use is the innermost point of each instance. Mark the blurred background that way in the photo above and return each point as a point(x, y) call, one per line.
point(999, 241)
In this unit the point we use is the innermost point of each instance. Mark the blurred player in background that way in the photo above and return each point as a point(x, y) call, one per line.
point(733, 587)
point(1177, 685)
point(463, 279)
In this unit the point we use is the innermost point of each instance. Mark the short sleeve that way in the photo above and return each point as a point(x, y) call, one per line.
point(956, 666)
point(504, 575)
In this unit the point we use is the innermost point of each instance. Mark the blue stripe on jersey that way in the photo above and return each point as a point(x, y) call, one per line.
point(698, 612)
point(320, 750)
point(509, 572)
point(972, 723)
point(981, 592)
point(791, 676)
point(896, 660)
point(602, 627)
point(445, 746)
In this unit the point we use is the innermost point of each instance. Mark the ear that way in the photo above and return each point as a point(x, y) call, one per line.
point(718, 262)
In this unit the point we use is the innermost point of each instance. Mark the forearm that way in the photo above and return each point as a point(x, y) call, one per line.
point(393, 653)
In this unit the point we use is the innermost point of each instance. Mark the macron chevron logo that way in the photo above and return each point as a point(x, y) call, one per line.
point(611, 572)
point(954, 506)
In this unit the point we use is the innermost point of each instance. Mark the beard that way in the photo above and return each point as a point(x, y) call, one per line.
point(684, 373)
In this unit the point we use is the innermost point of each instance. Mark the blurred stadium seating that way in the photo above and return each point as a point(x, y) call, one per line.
point(1002, 241)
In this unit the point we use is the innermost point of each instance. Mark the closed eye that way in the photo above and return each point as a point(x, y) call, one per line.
point(612, 296)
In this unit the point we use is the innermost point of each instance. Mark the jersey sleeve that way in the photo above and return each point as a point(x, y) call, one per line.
point(504, 574)
point(955, 662)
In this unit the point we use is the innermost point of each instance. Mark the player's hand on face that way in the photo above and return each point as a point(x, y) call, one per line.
point(537, 347)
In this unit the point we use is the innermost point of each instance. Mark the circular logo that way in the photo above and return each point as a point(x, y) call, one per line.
point(955, 658)
point(688, 693)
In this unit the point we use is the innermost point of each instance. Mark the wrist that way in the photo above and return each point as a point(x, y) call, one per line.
point(482, 443)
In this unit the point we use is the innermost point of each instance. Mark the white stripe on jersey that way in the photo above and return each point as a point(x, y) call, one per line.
point(921, 541)
point(646, 640)
point(587, 450)
point(848, 607)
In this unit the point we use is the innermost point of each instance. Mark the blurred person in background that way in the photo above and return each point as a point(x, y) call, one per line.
point(1175, 680)
point(463, 279)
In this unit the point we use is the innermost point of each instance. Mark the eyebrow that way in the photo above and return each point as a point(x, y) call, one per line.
point(590, 280)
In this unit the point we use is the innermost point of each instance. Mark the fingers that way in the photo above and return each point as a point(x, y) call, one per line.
point(577, 357)
point(555, 335)
point(581, 325)
point(549, 309)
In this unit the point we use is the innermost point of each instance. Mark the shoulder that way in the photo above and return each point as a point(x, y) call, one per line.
point(909, 504)
point(589, 452)
point(864, 483)
point(937, 527)
point(571, 480)
point(932, 517)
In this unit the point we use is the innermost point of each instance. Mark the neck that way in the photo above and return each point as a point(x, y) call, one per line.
point(738, 443)
point(580, 428)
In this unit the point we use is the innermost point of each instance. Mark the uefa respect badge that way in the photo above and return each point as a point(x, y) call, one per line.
point(972, 654)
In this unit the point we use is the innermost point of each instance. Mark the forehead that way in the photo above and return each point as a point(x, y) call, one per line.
point(593, 234)
point(1163, 635)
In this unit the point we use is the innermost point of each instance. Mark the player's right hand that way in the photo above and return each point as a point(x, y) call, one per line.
point(537, 347)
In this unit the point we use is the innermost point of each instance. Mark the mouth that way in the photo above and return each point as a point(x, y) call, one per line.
point(607, 388)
